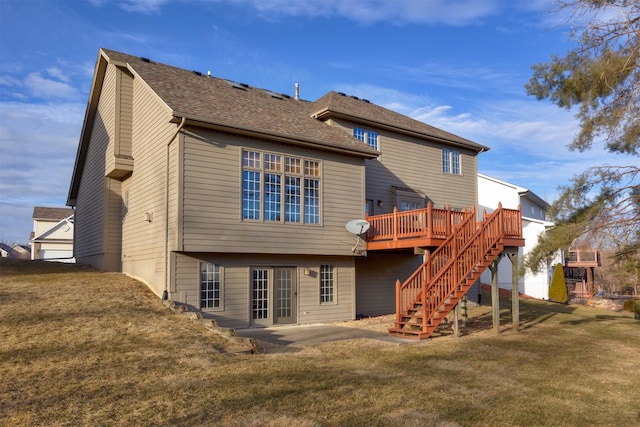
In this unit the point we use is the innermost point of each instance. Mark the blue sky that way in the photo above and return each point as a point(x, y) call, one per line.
point(458, 65)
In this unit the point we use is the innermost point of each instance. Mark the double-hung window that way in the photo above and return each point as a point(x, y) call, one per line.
point(369, 137)
point(451, 161)
point(280, 188)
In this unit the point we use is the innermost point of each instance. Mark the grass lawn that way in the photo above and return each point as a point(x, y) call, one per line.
point(80, 347)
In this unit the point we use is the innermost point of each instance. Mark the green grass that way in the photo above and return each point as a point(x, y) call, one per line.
point(80, 347)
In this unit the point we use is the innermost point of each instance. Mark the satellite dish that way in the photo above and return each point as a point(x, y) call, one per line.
point(357, 226)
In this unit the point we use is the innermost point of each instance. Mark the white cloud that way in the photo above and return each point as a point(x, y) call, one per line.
point(143, 6)
point(370, 11)
point(42, 87)
point(528, 138)
point(57, 73)
point(467, 76)
point(460, 12)
point(38, 144)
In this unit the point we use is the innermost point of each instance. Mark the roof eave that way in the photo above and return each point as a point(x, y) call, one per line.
point(366, 152)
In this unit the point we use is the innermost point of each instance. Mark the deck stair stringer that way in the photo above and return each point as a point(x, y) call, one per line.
point(433, 290)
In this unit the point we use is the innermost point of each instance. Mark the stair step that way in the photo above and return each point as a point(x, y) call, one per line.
point(418, 335)
point(467, 267)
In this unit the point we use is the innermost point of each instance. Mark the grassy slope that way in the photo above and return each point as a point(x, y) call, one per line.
point(79, 347)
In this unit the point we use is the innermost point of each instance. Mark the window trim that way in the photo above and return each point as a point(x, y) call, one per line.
point(451, 161)
point(366, 135)
point(322, 294)
point(304, 169)
point(220, 273)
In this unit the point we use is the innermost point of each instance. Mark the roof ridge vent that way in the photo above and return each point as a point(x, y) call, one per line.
point(342, 94)
point(197, 73)
point(354, 97)
point(367, 101)
point(244, 85)
point(143, 59)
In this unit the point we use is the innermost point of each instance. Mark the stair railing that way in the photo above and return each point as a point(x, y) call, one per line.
point(442, 272)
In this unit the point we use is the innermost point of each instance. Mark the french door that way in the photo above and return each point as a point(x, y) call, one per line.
point(274, 294)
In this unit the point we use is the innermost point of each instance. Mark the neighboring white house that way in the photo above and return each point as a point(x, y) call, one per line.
point(5, 250)
point(491, 191)
point(52, 236)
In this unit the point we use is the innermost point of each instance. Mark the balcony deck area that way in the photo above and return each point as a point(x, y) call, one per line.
point(583, 258)
point(429, 227)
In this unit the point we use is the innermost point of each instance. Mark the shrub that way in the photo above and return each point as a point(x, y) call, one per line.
point(558, 289)
point(630, 305)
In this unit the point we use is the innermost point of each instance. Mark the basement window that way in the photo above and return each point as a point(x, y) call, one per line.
point(326, 284)
point(210, 285)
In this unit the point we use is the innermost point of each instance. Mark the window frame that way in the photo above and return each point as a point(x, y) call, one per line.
point(220, 290)
point(325, 297)
point(289, 188)
point(451, 161)
point(367, 136)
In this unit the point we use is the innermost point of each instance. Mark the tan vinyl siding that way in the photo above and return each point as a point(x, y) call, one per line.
point(113, 219)
point(376, 280)
point(125, 114)
point(90, 209)
point(237, 286)
point(145, 227)
point(213, 192)
point(417, 164)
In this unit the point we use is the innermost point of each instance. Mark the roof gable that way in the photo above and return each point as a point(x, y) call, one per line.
point(62, 230)
point(237, 106)
point(338, 104)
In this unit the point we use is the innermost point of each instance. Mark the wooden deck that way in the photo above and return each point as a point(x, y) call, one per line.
point(430, 227)
point(469, 248)
point(583, 258)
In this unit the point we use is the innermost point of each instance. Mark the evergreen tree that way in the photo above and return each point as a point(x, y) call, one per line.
point(600, 77)
point(558, 289)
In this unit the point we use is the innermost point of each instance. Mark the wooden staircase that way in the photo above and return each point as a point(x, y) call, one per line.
point(434, 289)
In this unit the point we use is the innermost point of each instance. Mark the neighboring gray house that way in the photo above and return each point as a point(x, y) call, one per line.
point(234, 199)
point(52, 235)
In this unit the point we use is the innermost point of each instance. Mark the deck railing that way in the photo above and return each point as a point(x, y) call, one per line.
point(456, 261)
point(583, 258)
point(426, 223)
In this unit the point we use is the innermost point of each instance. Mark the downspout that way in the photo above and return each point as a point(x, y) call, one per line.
point(165, 293)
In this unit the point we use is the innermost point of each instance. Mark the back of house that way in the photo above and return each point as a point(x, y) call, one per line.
point(233, 199)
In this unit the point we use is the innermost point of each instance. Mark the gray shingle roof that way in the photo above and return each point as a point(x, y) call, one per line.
point(221, 102)
point(338, 104)
point(233, 107)
point(58, 214)
point(217, 101)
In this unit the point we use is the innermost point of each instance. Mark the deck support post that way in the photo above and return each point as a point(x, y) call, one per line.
point(495, 295)
point(464, 314)
point(456, 327)
point(515, 294)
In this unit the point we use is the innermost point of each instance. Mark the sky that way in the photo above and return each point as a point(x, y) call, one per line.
point(459, 65)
